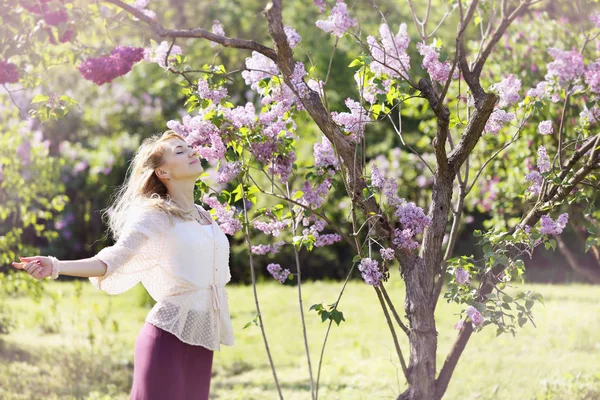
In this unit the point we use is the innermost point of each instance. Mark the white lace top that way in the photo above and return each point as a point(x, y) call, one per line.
point(183, 265)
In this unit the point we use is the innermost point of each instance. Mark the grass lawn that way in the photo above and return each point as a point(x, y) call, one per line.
point(78, 353)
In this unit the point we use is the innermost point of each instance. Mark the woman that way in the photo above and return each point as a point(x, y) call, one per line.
point(181, 256)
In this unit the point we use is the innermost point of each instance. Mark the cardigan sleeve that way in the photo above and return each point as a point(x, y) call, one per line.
point(134, 254)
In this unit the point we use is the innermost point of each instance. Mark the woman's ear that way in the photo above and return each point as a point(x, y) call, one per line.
point(161, 173)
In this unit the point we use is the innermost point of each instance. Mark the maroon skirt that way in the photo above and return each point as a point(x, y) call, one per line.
point(164, 367)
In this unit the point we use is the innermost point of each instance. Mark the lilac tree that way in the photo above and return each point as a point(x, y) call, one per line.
point(474, 114)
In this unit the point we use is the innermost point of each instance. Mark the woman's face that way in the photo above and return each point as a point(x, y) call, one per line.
point(180, 161)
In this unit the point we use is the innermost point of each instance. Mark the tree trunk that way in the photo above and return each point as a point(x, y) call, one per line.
point(592, 274)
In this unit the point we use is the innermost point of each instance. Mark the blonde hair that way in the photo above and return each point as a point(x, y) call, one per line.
point(142, 186)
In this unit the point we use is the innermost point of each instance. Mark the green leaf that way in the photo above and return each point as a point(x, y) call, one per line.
point(40, 98)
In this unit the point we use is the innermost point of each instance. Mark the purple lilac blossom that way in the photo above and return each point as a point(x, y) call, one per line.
point(437, 70)
point(158, 55)
point(545, 127)
point(404, 239)
point(377, 179)
point(8, 72)
point(258, 67)
point(389, 54)
point(370, 271)
point(297, 79)
point(412, 217)
point(387, 254)
point(56, 18)
point(595, 18)
point(217, 29)
point(474, 315)
point(271, 228)
point(508, 90)
point(324, 154)
point(550, 227)
point(339, 20)
point(592, 76)
point(227, 221)
point(242, 116)
point(497, 120)
point(292, 36)
point(229, 172)
point(543, 161)
point(326, 239)
point(104, 69)
point(277, 272)
point(321, 4)
point(536, 180)
point(354, 121)
point(567, 65)
point(214, 94)
point(462, 276)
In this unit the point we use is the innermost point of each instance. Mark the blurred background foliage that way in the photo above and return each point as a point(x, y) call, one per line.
point(57, 175)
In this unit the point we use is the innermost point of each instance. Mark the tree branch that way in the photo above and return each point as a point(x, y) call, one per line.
point(196, 33)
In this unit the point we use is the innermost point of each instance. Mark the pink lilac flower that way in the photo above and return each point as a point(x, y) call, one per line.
point(567, 65)
point(403, 239)
point(80, 166)
point(339, 20)
point(293, 37)
point(592, 76)
point(550, 227)
point(242, 116)
point(508, 90)
point(229, 172)
point(258, 67)
point(412, 217)
point(158, 55)
point(591, 115)
point(217, 29)
point(545, 127)
point(225, 216)
point(437, 70)
point(273, 228)
point(387, 254)
point(389, 55)
point(370, 271)
point(538, 91)
point(377, 179)
point(8, 72)
point(497, 120)
point(215, 150)
point(321, 4)
point(36, 7)
point(297, 79)
point(279, 274)
point(474, 315)
point(543, 161)
point(263, 249)
point(282, 164)
point(104, 69)
point(595, 18)
point(56, 18)
point(215, 94)
point(536, 179)
point(462, 276)
point(327, 239)
point(315, 198)
point(324, 154)
point(68, 36)
point(316, 85)
point(354, 121)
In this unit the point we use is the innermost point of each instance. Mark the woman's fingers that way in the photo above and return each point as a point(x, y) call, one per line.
point(34, 270)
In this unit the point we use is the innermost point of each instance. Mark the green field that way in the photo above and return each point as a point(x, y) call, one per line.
point(75, 353)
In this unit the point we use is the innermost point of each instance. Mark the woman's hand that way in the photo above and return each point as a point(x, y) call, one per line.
point(39, 267)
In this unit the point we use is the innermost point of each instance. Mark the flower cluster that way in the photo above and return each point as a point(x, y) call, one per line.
point(370, 271)
point(412, 217)
point(314, 198)
point(277, 272)
point(217, 29)
point(104, 69)
point(474, 315)
point(273, 227)
point(159, 54)
point(550, 227)
point(297, 79)
point(497, 120)
point(508, 90)
point(545, 127)
point(55, 18)
point(462, 276)
point(267, 248)
point(141, 6)
point(543, 161)
point(389, 54)
point(592, 76)
point(214, 94)
point(387, 254)
point(225, 215)
point(339, 20)
point(292, 36)
point(8, 72)
point(324, 154)
point(258, 67)
point(437, 70)
point(567, 65)
point(354, 121)
point(229, 172)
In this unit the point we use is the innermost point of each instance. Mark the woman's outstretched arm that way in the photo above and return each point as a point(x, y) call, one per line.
point(40, 267)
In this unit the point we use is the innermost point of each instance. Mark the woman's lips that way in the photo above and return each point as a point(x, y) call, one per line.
point(195, 162)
